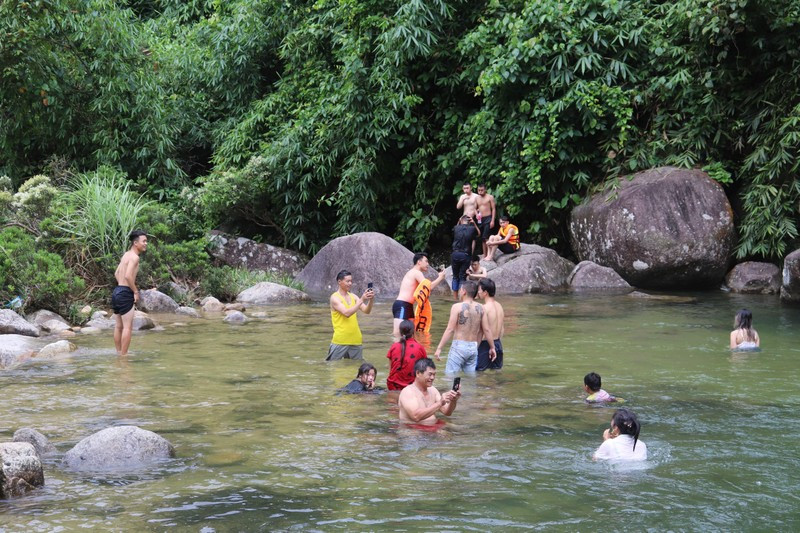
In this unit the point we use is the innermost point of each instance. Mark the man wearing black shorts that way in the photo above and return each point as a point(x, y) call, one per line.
point(485, 216)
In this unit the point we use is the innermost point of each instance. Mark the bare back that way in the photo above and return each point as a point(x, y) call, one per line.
point(409, 284)
point(127, 269)
point(468, 322)
point(496, 317)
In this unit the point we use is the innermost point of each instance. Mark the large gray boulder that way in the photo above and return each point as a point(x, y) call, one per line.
point(48, 320)
point(20, 469)
point(265, 292)
point(532, 269)
point(39, 442)
point(12, 323)
point(665, 228)
point(118, 448)
point(14, 349)
point(369, 256)
point(153, 301)
point(588, 276)
point(752, 277)
point(790, 288)
point(241, 252)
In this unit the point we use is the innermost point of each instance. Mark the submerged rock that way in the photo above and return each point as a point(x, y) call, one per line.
point(39, 442)
point(118, 448)
point(153, 301)
point(753, 277)
point(188, 311)
point(664, 228)
point(13, 324)
point(55, 349)
point(235, 317)
point(267, 292)
point(20, 469)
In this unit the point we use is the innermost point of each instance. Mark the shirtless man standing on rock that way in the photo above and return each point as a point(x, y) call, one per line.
point(420, 401)
point(486, 215)
point(403, 306)
point(468, 200)
point(467, 325)
point(126, 294)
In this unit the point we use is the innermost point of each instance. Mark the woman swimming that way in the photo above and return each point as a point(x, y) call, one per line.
point(621, 440)
point(743, 336)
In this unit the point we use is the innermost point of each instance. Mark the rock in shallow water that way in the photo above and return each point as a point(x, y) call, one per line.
point(118, 448)
point(39, 442)
point(20, 469)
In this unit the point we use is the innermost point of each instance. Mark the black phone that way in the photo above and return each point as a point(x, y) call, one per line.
point(369, 286)
point(456, 383)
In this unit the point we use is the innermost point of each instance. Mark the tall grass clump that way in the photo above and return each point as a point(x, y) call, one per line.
point(102, 211)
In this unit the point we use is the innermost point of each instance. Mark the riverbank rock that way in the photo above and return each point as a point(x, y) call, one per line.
point(188, 311)
point(100, 322)
point(790, 288)
point(153, 301)
point(20, 469)
point(588, 276)
point(48, 321)
point(142, 322)
point(211, 305)
point(368, 256)
point(235, 317)
point(13, 324)
point(118, 448)
point(14, 349)
point(266, 292)
point(235, 306)
point(531, 269)
point(752, 277)
point(665, 228)
point(241, 252)
point(55, 349)
point(39, 442)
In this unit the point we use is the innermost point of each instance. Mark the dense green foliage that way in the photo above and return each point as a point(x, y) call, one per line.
point(302, 121)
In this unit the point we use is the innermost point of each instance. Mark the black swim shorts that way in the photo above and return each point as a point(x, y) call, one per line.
point(403, 310)
point(484, 227)
point(507, 248)
point(484, 362)
point(121, 299)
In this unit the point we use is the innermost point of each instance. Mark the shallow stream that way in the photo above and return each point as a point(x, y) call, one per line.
point(263, 442)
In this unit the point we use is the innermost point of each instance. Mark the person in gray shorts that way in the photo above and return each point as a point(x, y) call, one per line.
point(467, 325)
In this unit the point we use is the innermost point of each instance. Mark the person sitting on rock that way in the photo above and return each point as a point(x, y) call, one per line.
point(476, 272)
point(507, 239)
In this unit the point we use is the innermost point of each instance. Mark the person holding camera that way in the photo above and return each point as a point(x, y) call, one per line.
point(346, 342)
point(419, 402)
point(464, 234)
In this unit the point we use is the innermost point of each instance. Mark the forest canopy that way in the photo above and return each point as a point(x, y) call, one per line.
point(301, 121)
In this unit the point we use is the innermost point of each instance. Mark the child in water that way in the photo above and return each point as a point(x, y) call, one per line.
point(743, 336)
point(621, 440)
point(476, 272)
point(591, 384)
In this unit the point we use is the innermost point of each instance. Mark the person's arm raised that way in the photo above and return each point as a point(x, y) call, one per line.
point(449, 400)
point(438, 279)
point(369, 296)
point(416, 410)
point(338, 306)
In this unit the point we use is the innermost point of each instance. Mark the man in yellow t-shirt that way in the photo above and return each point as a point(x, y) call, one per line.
point(346, 342)
point(507, 239)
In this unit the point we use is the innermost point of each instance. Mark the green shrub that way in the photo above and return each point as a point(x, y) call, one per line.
point(39, 277)
point(183, 262)
point(227, 282)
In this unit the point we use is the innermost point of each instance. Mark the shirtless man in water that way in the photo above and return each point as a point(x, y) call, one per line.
point(419, 401)
point(468, 324)
point(403, 306)
point(496, 317)
point(126, 294)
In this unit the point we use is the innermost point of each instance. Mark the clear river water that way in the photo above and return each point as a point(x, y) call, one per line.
point(264, 444)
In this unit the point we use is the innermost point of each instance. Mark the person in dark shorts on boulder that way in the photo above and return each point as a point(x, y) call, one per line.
point(125, 294)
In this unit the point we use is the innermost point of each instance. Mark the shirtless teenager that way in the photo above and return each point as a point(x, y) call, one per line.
point(486, 215)
point(467, 325)
point(125, 294)
point(419, 401)
point(496, 317)
point(403, 306)
point(468, 200)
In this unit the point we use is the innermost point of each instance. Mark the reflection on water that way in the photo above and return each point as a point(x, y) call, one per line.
point(264, 443)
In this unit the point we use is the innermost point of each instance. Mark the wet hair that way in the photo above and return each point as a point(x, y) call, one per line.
point(487, 285)
point(470, 287)
point(342, 274)
point(365, 369)
point(418, 256)
point(744, 321)
point(406, 332)
point(592, 380)
point(503, 218)
point(135, 234)
point(423, 364)
point(627, 424)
